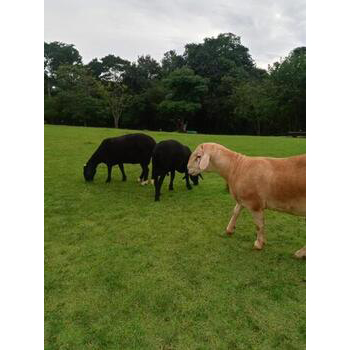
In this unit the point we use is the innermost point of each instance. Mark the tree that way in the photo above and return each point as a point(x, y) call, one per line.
point(185, 90)
point(222, 59)
point(56, 54)
point(113, 68)
point(171, 61)
point(110, 70)
point(79, 96)
point(214, 85)
point(118, 98)
point(95, 67)
point(142, 111)
point(254, 103)
point(140, 75)
point(289, 79)
point(215, 57)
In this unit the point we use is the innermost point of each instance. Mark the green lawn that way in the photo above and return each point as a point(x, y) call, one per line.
point(125, 272)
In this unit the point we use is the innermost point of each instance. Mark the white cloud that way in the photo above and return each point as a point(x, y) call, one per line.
point(130, 28)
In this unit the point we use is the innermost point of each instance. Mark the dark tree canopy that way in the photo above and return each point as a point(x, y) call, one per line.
point(57, 53)
point(214, 86)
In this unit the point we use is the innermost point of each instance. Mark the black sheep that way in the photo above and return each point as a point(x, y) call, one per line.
point(131, 148)
point(169, 156)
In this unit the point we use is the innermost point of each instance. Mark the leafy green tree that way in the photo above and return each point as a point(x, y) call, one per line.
point(96, 68)
point(149, 67)
point(215, 57)
point(56, 54)
point(226, 63)
point(113, 68)
point(51, 109)
point(185, 90)
point(79, 96)
point(214, 85)
point(142, 112)
point(289, 79)
point(118, 98)
point(171, 61)
point(109, 70)
point(254, 103)
point(140, 75)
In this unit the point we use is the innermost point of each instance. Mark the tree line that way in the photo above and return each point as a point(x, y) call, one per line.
point(213, 87)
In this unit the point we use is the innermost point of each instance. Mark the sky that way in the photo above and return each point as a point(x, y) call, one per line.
point(270, 29)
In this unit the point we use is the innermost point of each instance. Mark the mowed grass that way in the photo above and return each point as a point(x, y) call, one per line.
point(125, 272)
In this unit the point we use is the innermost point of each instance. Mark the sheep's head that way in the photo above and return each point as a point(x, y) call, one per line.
point(89, 172)
point(199, 160)
point(195, 178)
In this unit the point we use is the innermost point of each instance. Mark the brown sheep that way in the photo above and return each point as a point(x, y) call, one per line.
point(257, 183)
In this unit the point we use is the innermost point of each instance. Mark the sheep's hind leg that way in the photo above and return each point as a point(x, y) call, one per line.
point(158, 181)
point(121, 167)
point(258, 217)
point(232, 224)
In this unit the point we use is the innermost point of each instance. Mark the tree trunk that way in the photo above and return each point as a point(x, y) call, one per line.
point(116, 121)
point(258, 126)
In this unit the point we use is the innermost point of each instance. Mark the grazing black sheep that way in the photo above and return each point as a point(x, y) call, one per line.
point(169, 156)
point(131, 148)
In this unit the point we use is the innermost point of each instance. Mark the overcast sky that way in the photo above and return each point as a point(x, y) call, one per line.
point(131, 28)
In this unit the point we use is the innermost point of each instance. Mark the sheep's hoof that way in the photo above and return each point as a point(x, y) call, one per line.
point(189, 187)
point(258, 245)
point(300, 254)
point(124, 179)
point(108, 181)
point(156, 199)
point(171, 188)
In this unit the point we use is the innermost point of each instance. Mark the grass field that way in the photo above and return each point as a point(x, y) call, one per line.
point(125, 272)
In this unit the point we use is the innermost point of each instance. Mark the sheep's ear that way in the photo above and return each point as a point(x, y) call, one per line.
point(204, 161)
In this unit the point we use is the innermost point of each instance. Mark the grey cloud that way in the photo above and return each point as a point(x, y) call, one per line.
point(130, 28)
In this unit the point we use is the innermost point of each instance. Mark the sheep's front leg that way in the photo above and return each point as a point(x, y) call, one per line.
point(144, 175)
point(258, 217)
point(301, 253)
point(109, 177)
point(121, 167)
point(172, 176)
point(232, 224)
point(188, 185)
